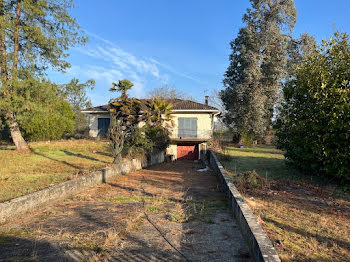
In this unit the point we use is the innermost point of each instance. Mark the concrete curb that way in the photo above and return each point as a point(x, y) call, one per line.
point(259, 244)
point(30, 202)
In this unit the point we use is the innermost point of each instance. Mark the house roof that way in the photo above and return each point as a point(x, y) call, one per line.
point(179, 105)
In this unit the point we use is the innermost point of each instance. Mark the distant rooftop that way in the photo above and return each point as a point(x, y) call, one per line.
point(178, 105)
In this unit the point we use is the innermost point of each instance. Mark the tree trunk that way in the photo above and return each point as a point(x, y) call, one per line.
point(3, 54)
point(116, 138)
point(15, 40)
point(10, 116)
point(16, 135)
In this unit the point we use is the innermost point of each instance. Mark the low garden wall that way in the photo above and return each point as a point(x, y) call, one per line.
point(258, 243)
point(20, 205)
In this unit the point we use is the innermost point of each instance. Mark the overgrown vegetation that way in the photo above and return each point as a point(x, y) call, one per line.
point(137, 143)
point(125, 134)
point(125, 117)
point(34, 36)
point(305, 218)
point(50, 116)
point(53, 111)
point(50, 123)
point(314, 124)
point(158, 120)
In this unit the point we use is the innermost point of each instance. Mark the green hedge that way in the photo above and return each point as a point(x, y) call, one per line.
point(314, 125)
point(48, 123)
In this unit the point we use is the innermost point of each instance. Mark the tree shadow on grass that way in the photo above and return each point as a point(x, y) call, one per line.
point(53, 159)
point(71, 154)
point(319, 238)
point(104, 154)
point(304, 198)
point(82, 156)
point(7, 148)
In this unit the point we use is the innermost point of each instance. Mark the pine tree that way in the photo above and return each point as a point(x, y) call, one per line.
point(258, 65)
point(34, 36)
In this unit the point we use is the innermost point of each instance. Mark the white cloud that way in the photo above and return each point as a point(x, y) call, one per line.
point(99, 73)
point(110, 63)
point(172, 70)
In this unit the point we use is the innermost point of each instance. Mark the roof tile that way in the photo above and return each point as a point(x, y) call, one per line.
point(178, 104)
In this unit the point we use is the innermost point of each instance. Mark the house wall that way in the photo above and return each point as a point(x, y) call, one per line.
point(172, 150)
point(93, 123)
point(204, 128)
point(204, 124)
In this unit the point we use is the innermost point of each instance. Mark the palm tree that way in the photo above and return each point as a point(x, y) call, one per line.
point(158, 112)
point(125, 116)
point(122, 86)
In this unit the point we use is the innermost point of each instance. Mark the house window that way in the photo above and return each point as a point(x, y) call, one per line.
point(103, 125)
point(187, 127)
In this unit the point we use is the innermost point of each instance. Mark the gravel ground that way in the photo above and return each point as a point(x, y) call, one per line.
point(169, 212)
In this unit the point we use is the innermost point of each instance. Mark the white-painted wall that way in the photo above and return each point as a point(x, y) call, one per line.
point(93, 123)
point(204, 127)
point(204, 124)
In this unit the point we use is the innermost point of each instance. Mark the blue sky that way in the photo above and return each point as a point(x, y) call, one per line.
point(183, 43)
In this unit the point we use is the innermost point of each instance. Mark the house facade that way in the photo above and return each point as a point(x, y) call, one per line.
point(193, 126)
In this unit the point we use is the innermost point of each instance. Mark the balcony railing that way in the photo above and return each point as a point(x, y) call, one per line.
point(190, 133)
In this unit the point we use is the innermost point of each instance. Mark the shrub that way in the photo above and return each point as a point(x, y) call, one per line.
point(251, 180)
point(137, 143)
point(314, 124)
point(141, 141)
point(47, 123)
point(159, 136)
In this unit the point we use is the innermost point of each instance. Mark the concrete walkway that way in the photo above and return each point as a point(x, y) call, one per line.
point(170, 212)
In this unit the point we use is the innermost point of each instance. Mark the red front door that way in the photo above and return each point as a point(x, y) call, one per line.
point(187, 152)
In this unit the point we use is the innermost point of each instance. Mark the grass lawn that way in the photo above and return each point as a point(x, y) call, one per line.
point(305, 219)
point(48, 163)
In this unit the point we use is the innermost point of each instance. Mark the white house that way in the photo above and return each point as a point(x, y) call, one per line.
point(194, 125)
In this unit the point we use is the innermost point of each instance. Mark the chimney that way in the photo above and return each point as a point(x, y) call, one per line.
point(206, 99)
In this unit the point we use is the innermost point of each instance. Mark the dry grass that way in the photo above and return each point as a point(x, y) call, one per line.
point(48, 163)
point(305, 220)
point(127, 220)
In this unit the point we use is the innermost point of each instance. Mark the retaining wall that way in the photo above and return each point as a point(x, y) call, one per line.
point(20, 205)
point(259, 244)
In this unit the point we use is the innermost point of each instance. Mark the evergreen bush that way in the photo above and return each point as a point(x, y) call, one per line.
point(314, 123)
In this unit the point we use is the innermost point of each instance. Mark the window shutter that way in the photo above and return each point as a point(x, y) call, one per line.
point(187, 127)
point(181, 127)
